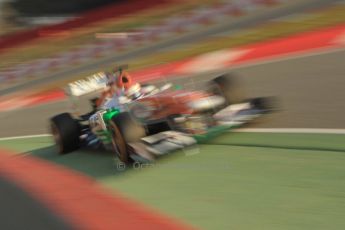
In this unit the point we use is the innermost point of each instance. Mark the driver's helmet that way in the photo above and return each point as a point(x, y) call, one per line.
point(124, 81)
point(130, 88)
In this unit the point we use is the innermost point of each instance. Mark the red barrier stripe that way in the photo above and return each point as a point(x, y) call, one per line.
point(79, 199)
point(296, 43)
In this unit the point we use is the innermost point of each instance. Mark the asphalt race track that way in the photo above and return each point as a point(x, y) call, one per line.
point(309, 89)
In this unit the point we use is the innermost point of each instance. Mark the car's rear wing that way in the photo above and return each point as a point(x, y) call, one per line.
point(87, 85)
point(92, 83)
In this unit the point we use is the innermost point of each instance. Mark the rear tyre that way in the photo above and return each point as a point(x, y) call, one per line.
point(66, 132)
point(124, 129)
point(227, 86)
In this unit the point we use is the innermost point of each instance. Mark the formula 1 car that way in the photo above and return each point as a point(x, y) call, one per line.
point(160, 121)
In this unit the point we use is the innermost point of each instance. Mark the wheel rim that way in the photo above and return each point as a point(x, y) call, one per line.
point(118, 143)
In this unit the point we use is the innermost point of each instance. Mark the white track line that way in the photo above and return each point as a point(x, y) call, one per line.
point(24, 137)
point(292, 130)
point(243, 130)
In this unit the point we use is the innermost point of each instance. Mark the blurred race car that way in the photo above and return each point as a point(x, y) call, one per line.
point(159, 121)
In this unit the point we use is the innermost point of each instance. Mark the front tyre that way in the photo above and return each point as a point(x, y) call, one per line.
point(66, 132)
point(124, 129)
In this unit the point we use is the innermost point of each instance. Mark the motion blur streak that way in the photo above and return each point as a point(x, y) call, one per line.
point(285, 170)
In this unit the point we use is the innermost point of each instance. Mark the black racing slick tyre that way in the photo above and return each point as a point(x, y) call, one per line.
point(124, 129)
point(227, 86)
point(66, 132)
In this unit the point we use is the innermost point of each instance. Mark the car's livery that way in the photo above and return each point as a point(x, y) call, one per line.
point(159, 121)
